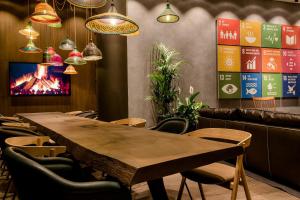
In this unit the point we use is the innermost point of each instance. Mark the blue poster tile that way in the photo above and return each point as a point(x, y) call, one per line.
point(290, 85)
point(251, 85)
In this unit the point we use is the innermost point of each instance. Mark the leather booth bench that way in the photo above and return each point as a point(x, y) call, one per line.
point(275, 147)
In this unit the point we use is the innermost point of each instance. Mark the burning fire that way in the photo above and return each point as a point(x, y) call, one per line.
point(39, 82)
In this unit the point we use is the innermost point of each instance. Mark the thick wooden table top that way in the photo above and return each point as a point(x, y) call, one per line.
point(132, 155)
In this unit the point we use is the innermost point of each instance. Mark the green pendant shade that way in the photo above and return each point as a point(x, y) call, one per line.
point(111, 22)
point(30, 48)
point(75, 58)
point(67, 45)
point(88, 3)
point(29, 31)
point(168, 15)
point(91, 52)
point(55, 25)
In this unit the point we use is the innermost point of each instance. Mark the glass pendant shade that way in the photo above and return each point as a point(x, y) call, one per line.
point(30, 48)
point(44, 13)
point(29, 31)
point(88, 3)
point(75, 58)
point(67, 45)
point(70, 70)
point(91, 52)
point(168, 15)
point(111, 22)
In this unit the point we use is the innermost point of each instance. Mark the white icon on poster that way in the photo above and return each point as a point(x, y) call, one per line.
point(229, 62)
point(290, 40)
point(251, 91)
point(251, 64)
point(272, 38)
point(228, 35)
point(270, 87)
point(271, 65)
point(229, 89)
point(291, 89)
point(250, 37)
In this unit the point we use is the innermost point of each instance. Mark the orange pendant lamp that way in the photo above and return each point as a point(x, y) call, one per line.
point(70, 70)
point(44, 14)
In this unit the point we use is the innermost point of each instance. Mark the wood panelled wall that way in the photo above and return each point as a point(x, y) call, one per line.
point(13, 17)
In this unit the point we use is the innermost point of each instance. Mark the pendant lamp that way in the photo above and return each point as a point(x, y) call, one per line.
point(70, 70)
point(75, 58)
point(111, 22)
point(132, 34)
point(91, 52)
point(168, 15)
point(67, 44)
point(88, 3)
point(44, 14)
point(30, 48)
point(55, 25)
point(29, 31)
point(56, 60)
point(47, 54)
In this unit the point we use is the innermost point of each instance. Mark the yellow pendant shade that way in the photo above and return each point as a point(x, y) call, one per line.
point(88, 3)
point(55, 25)
point(70, 70)
point(111, 22)
point(44, 14)
point(29, 31)
point(168, 15)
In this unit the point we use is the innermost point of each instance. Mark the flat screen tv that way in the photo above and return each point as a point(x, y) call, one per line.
point(30, 79)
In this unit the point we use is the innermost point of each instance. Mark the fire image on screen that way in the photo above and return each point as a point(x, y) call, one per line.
point(37, 79)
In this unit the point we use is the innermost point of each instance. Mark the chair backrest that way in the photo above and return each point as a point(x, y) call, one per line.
point(173, 125)
point(264, 103)
point(131, 121)
point(241, 138)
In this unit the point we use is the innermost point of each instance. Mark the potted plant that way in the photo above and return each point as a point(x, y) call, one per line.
point(163, 80)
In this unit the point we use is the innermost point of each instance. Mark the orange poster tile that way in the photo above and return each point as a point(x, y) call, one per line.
point(250, 33)
point(271, 60)
point(229, 58)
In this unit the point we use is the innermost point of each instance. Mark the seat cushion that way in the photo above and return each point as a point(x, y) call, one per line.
point(215, 173)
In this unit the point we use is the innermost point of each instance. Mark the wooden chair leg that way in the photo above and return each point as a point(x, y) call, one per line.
point(237, 173)
point(245, 184)
point(201, 191)
point(181, 188)
point(189, 192)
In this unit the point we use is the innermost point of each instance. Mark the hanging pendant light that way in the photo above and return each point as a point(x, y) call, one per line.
point(168, 15)
point(29, 31)
point(30, 48)
point(88, 3)
point(44, 13)
point(75, 58)
point(55, 25)
point(111, 22)
point(47, 54)
point(132, 34)
point(56, 60)
point(70, 70)
point(91, 52)
point(31, 37)
point(67, 44)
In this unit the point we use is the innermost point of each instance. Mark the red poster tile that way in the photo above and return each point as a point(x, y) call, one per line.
point(290, 37)
point(250, 59)
point(290, 61)
point(228, 31)
point(271, 60)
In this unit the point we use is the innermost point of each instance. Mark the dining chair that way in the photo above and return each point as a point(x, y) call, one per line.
point(35, 182)
point(264, 103)
point(131, 121)
point(220, 173)
point(172, 125)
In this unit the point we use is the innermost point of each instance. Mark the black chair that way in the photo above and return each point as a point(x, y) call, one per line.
point(88, 114)
point(173, 125)
point(35, 182)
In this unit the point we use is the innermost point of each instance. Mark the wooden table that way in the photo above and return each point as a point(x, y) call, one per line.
point(133, 155)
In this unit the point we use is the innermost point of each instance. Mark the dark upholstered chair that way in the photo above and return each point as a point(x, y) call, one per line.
point(33, 181)
point(173, 125)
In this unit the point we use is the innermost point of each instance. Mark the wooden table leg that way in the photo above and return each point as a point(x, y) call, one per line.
point(157, 189)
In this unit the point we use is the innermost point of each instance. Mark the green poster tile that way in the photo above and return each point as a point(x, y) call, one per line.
point(229, 85)
point(272, 85)
point(271, 35)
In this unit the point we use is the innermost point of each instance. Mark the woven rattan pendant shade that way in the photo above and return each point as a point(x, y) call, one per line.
point(29, 31)
point(111, 22)
point(75, 58)
point(91, 52)
point(88, 3)
point(30, 48)
point(70, 70)
point(168, 15)
point(44, 14)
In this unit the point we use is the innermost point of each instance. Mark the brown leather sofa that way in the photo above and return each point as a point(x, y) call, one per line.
point(275, 147)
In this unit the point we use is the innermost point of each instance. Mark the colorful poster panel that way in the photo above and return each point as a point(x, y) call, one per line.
point(290, 37)
point(271, 35)
point(290, 85)
point(229, 86)
point(271, 60)
point(250, 33)
point(290, 61)
point(228, 31)
point(250, 59)
point(251, 85)
point(229, 58)
point(271, 85)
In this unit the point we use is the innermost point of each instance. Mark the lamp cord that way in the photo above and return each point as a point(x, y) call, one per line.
point(75, 26)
